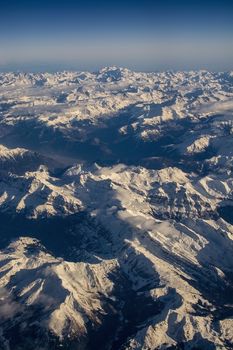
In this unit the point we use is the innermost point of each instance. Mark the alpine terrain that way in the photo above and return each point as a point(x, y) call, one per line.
point(116, 210)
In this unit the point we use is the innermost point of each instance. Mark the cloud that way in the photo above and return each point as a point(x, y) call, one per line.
point(8, 306)
point(225, 107)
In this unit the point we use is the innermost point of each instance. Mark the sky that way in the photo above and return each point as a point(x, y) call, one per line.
point(141, 35)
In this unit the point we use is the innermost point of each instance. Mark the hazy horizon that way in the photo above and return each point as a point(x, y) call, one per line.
point(142, 36)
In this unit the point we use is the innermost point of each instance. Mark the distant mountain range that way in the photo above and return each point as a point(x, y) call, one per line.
point(116, 210)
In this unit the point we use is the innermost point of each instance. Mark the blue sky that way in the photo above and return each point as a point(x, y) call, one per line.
point(141, 35)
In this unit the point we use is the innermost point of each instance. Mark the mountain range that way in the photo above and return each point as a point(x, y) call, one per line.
point(116, 210)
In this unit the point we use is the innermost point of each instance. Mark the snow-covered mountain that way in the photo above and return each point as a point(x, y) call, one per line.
point(116, 197)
